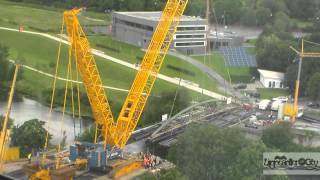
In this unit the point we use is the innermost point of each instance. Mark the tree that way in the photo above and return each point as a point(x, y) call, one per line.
point(9, 125)
point(29, 136)
point(263, 16)
point(282, 22)
point(279, 137)
point(209, 152)
point(273, 53)
point(274, 6)
point(4, 64)
point(291, 76)
point(135, 5)
point(167, 101)
point(196, 8)
point(316, 22)
point(309, 68)
point(204, 152)
point(313, 88)
point(302, 9)
point(249, 17)
point(248, 164)
point(229, 9)
point(88, 134)
point(171, 174)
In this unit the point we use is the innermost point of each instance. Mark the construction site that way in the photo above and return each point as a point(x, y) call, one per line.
point(104, 108)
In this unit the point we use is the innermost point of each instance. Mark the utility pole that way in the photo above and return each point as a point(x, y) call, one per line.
point(208, 23)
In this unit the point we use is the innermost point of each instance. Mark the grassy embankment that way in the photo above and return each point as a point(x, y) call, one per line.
point(40, 53)
point(43, 18)
point(268, 93)
point(133, 54)
point(216, 62)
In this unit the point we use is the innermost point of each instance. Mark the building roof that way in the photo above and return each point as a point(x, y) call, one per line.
point(155, 15)
point(271, 74)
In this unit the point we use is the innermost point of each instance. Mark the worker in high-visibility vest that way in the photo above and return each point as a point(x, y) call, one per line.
point(29, 157)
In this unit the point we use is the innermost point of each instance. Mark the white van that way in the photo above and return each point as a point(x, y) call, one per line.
point(263, 105)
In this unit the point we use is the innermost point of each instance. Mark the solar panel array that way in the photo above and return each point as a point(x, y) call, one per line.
point(238, 57)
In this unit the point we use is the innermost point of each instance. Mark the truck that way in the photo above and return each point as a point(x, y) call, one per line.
point(263, 105)
point(275, 105)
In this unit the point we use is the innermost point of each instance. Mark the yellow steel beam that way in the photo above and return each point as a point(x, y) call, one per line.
point(4, 133)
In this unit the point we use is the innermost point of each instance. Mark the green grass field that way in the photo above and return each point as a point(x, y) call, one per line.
point(252, 41)
point(41, 18)
point(267, 93)
point(40, 53)
point(216, 62)
point(133, 54)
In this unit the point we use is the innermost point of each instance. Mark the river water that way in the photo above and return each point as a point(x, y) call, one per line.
point(29, 109)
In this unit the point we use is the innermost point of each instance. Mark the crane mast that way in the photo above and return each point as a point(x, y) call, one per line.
point(118, 133)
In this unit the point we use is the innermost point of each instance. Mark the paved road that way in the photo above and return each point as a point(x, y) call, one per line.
point(224, 85)
point(132, 66)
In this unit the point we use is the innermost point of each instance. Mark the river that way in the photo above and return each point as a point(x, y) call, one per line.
point(29, 109)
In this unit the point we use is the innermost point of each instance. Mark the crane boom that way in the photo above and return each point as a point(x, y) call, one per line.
point(80, 48)
point(150, 66)
point(119, 133)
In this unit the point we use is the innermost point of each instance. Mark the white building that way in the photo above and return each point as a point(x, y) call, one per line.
point(271, 79)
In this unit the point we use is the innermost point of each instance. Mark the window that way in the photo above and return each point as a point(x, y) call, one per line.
point(281, 85)
point(134, 25)
point(224, 43)
point(273, 84)
point(188, 44)
point(191, 28)
point(269, 84)
point(189, 36)
point(190, 51)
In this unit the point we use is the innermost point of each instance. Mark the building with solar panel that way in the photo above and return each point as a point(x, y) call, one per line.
point(137, 28)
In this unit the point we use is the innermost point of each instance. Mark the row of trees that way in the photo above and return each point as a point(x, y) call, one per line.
point(247, 12)
point(209, 152)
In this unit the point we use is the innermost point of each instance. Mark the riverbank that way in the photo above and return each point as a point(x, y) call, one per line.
point(29, 109)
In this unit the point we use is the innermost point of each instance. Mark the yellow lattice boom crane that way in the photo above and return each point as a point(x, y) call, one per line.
point(115, 134)
point(289, 109)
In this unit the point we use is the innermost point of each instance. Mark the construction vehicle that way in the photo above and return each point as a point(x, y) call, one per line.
point(5, 133)
point(111, 137)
